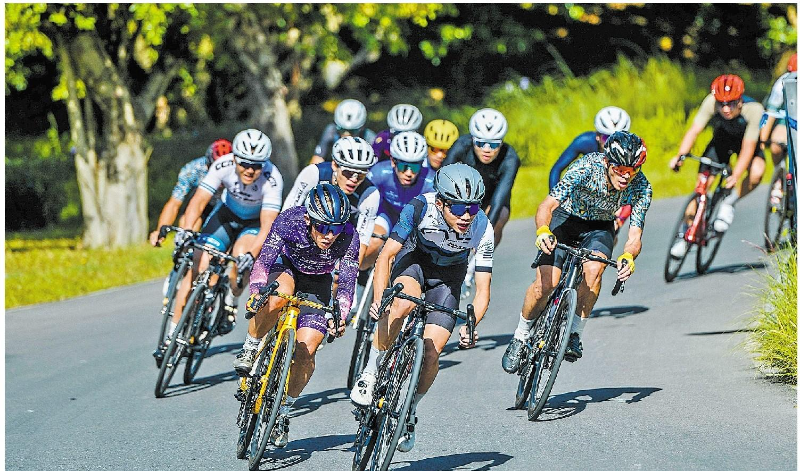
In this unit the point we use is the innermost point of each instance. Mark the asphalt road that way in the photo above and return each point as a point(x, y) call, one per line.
point(664, 382)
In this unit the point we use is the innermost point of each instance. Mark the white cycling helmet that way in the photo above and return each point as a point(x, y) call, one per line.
point(252, 145)
point(612, 119)
point(353, 152)
point(488, 123)
point(404, 118)
point(350, 114)
point(409, 147)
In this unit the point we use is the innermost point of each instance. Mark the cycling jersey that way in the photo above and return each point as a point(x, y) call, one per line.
point(744, 126)
point(381, 145)
point(775, 99)
point(422, 228)
point(585, 192)
point(584, 144)
point(189, 177)
point(395, 196)
point(331, 135)
point(364, 202)
point(245, 201)
point(498, 176)
point(290, 238)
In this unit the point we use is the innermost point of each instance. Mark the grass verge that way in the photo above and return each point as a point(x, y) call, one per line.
point(774, 339)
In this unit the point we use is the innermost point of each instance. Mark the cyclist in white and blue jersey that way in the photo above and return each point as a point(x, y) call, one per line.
point(430, 246)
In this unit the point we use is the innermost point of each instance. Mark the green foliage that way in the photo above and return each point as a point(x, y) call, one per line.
point(781, 32)
point(23, 38)
point(774, 338)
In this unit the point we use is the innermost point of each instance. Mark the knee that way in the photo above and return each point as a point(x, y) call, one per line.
point(592, 272)
point(402, 308)
point(304, 353)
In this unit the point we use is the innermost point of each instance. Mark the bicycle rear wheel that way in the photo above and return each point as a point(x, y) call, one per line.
point(526, 369)
point(549, 359)
point(708, 247)
point(396, 404)
point(673, 264)
point(202, 336)
point(272, 399)
point(176, 349)
point(361, 347)
point(776, 222)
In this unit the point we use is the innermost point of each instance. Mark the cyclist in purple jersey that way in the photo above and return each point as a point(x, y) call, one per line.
point(400, 118)
point(305, 245)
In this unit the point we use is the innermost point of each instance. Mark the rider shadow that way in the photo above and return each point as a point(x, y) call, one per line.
point(490, 342)
point(721, 332)
point(568, 404)
point(734, 268)
point(311, 402)
point(298, 451)
point(619, 312)
point(200, 384)
point(480, 461)
point(231, 347)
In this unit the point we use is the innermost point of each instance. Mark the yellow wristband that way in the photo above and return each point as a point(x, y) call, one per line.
point(543, 230)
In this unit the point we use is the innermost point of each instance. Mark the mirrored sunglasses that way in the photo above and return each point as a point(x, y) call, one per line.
point(437, 150)
point(324, 228)
point(248, 164)
point(349, 173)
point(731, 104)
point(623, 170)
point(458, 209)
point(351, 131)
point(402, 167)
point(493, 144)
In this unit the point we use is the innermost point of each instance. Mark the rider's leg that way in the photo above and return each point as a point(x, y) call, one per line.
point(241, 245)
point(753, 177)
point(308, 341)
point(375, 243)
point(538, 292)
point(436, 338)
point(388, 327)
point(778, 146)
point(201, 261)
point(589, 288)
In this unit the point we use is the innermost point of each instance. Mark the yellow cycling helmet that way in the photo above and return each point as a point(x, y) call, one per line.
point(441, 133)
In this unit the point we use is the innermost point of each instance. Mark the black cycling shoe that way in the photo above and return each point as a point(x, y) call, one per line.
point(226, 324)
point(512, 356)
point(574, 347)
point(158, 354)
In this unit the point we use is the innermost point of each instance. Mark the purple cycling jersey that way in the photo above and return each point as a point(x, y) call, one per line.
point(290, 238)
point(381, 145)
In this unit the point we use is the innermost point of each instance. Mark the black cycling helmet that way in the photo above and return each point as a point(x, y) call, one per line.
point(626, 149)
point(459, 183)
point(328, 204)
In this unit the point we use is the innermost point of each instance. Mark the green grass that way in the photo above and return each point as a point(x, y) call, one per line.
point(774, 339)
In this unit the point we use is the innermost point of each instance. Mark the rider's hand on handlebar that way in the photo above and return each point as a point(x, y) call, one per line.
point(731, 180)
point(155, 241)
point(625, 266)
point(252, 301)
point(373, 310)
point(244, 262)
point(337, 333)
point(463, 338)
point(545, 240)
point(675, 163)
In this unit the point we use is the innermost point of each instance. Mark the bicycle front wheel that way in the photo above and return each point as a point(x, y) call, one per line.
point(273, 397)
point(707, 248)
point(673, 264)
point(249, 390)
point(175, 279)
point(549, 359)
point(360, 349)
point(526, 371)
point(201, 336)
point(172, 357)
point(776, 221)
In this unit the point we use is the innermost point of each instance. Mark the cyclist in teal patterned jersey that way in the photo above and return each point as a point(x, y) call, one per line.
point(580, 210)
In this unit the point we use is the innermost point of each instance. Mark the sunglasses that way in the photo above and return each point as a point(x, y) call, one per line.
point(731, 104)
point(249, 165)
point(402, 167)
point(458, 209)
point(324, 228)
point(437, 150)
point(493, 144)
point(622, 170)
point(351, 131)
point(349, 173)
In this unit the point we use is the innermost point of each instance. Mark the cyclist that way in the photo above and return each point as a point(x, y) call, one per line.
point(607, 121)
point(349, 119)
point(250, 203)
point(305, 245)
point(352, 159)
point(440, 134)
point(774, 127)
point(188, 179)
point(401, 118)
point(734, 118)
point(430, 246)
point(581, 209)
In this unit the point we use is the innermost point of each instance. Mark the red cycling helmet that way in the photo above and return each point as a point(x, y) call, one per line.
point(792, 65)
point(727, 88)
point(217, 149)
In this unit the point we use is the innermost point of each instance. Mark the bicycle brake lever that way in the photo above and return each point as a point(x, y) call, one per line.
point(265, 293)
point(471, 323)
point(619, 286)
point(336, 321)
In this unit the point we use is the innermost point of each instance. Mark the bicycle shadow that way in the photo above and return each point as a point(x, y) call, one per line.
point(298, 451)
point(733, 268)
point(199, 384)
point(309, 403)
point(219, 349)
point(487, 343)
point(482, 461)
point(568, 404)
point(619, 312)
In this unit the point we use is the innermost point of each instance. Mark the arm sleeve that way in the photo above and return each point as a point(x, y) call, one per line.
point(184, 184)
point(640, 202)
point(752, 113)
point(484, 254)
point(705, 112)
point(409, 218)
point(266, 257)
point(271, 197)
point(306, 180)
point(368, 211)
point(457, 151)
point(348, 272)
point(502, 194)
point(775, 100)
point(575, 148)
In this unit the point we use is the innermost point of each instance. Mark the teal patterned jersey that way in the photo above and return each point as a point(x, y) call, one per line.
point(585, 192)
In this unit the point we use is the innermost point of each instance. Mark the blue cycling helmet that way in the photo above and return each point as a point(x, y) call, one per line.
point(328, 204)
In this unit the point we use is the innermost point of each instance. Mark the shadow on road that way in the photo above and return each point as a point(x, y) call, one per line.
point(463, 461)
point(571, 403)
point(199, 384)
point(298, 451)
point(722, 332)
point(231, 347)
point(490, 342)
point(311, 402)
point(619, 311)
point(735, 268)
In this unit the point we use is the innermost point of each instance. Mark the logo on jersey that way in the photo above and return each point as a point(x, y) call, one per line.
point(222, 163)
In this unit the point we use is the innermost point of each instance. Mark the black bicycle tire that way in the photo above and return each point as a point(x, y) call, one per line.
point(174, 346)
point(254, 386)
point(198, 354)
point(171, 291)
point(568, 298)
point(772, 240)
point(669, 274)
point(711, 210)
point(411, 389)
point(360, 352)
point(284, 359)
point(526, 371)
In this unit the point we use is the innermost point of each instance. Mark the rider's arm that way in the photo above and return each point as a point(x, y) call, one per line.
point(583, 144)
point(196, 206)
point(367, 212)
point(458, 150)
point(484, 255)
point(307, 179)
point(545, 212)
point(348, 273)
point(406, 224)
point(502, 193)
point(702, 118)
point(266, 257)
point(270, 208)
point(634, 244)
point(267, 217)
point(766, 129)
point(167, 217)
point(752, 113)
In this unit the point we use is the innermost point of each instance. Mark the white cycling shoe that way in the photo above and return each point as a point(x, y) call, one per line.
point(362, 391)
point(679, 249)
point(407, 441)
point(724, 217)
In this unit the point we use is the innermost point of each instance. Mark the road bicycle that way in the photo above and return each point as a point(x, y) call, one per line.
point(382, 423)
point(182, 260)
point(200, 321)
point(544, 350)
point(364, 326)
point(700, 232)
point(262, 391)
point(780, 221)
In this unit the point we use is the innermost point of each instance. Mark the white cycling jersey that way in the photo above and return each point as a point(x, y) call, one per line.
point(364, 202)
point(245, 201)
point(775, 100)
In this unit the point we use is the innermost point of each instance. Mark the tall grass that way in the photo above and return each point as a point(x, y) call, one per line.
point(774, 339)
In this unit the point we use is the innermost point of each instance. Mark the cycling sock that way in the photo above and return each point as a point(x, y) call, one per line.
point(172, 327)
point(417, 397)
point(230, 299)
point(286, 407)
point(374, 360)
point(523, 328)
point(732, 198)
point(250, 342)
point(578, 324)
point(362, 277)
